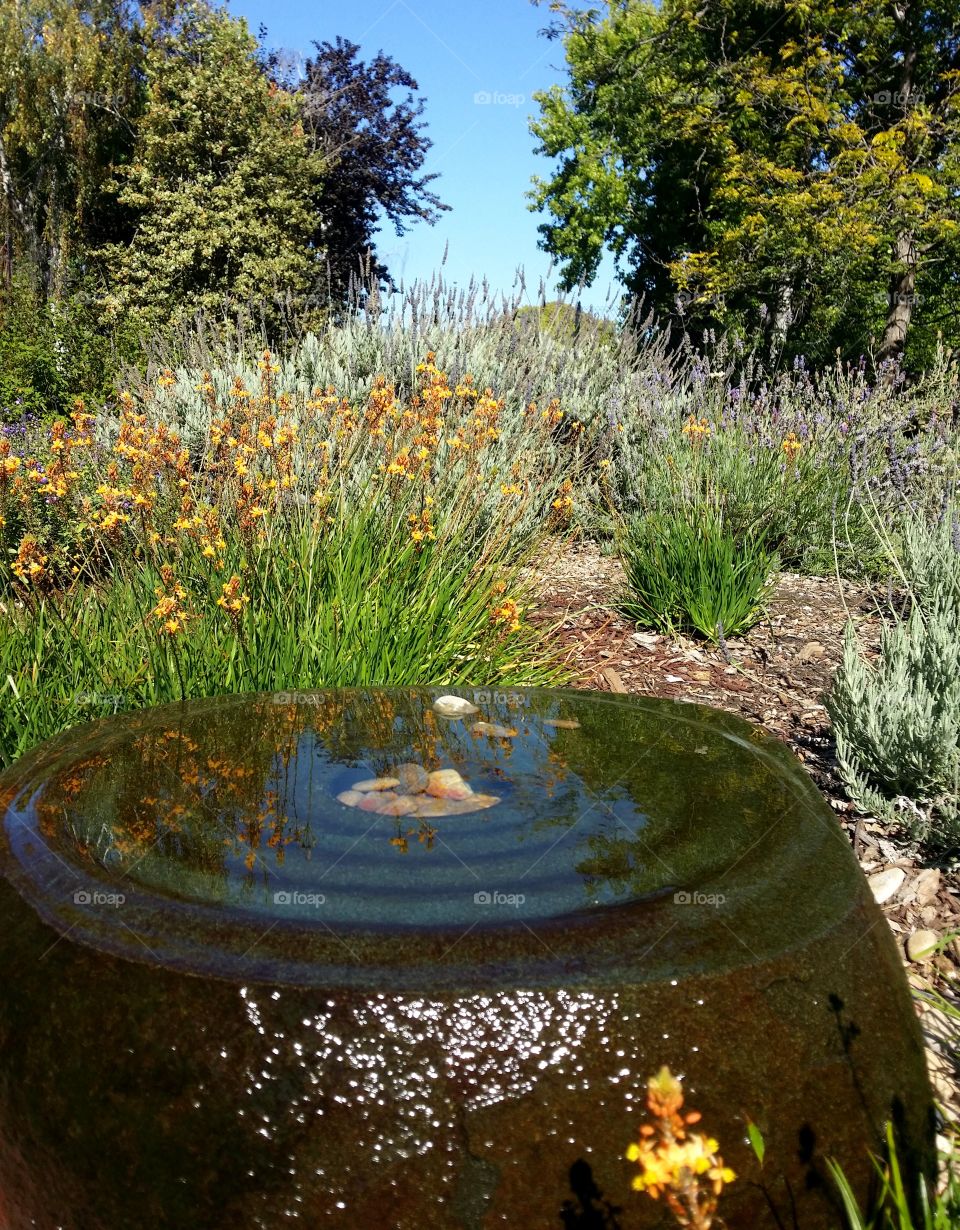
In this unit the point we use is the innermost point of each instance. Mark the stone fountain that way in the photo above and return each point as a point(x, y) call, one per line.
point(389, 958)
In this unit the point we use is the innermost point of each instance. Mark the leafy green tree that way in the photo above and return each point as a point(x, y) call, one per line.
point(780, 166)
point(68, 89)
point(216, 199)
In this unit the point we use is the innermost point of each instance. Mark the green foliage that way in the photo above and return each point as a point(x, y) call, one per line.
point(896, 1207)
point(687, 570)
point(897, 721)
point(52, 352)
point(217, 194)
point(788, 170)
point(766, 482)
point(929, 558)
point(897, 724)
point(866, 446)
point(350, 604)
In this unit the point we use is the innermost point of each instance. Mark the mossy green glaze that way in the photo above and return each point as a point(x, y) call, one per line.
point(231, 1001)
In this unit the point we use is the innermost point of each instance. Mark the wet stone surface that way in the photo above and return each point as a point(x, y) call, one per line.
point(270, 964)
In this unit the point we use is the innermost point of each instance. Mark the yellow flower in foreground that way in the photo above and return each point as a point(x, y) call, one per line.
point(30, 564)
point(681, 1167)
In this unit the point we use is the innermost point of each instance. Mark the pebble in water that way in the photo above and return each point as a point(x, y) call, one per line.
point(454, 707)
point(497, 732)
point(427, 806)
point(377, 783)
point(562, 723)
point(412, 778)
point(448, 784)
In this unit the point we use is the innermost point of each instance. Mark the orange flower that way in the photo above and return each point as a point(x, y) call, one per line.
point(681, 1167)
point(696, 430)
point(232, 599)
point(791, 446)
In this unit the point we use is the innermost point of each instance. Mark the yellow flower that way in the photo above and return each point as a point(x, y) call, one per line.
point(673, 1161)
point(696, 430)
point(232, 600)
point(791, 446)
point(507, 613)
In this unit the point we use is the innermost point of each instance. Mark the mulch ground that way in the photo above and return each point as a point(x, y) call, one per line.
point(776, 676)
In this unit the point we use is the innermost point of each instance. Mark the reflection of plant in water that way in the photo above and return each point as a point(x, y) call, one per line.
point(680, 1167)
point(424, 833)
point(214, 787)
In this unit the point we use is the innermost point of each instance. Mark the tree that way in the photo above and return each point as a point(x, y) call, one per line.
point(784, 166)
point(374, 148)
point(217, 197)
point(68, 88)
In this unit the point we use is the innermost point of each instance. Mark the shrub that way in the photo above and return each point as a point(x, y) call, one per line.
point(929, 557)
point(687, 570)
point(298, 544)
point(897, 724)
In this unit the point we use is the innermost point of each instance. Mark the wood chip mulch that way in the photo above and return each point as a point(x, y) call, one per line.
point(776, 676)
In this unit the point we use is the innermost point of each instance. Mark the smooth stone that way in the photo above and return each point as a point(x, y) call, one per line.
point(497, 732)
point(412, 778)
point(376, 783)
point(927, 885)
point(885, 884)
point(476, 802)
point(375, 801)
point(922, 945)
point(533, 957)
point(810, 652)
point(350, 797)
point(562, 723)
point(427, 806)
point(397, 805)
point(448, 784)
point(454, 707)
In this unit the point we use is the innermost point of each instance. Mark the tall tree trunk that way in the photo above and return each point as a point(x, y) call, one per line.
point(904, 277)
point(782, 314)
point(901, 298)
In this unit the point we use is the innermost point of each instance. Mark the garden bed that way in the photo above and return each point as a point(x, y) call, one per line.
point(776, 676)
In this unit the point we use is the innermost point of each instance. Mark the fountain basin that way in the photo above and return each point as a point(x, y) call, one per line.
point(233, 999)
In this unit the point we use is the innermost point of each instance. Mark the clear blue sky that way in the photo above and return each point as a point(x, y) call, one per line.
point(461, 52)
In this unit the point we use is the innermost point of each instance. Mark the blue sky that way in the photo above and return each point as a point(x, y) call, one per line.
point(478, 65)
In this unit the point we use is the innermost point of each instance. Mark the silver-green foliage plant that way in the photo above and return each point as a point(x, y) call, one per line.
point(798, 451)
point(897, 723)
point(929, 557)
